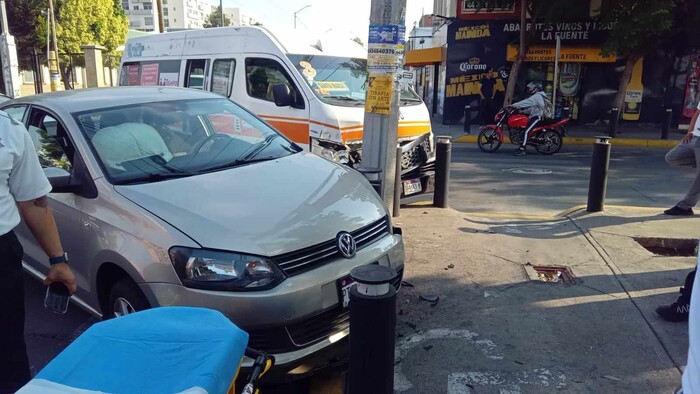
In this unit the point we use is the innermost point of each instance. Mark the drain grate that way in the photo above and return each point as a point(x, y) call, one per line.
point(672, 247)
point(550, 273)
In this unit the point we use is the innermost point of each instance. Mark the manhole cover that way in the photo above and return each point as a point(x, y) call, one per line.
point(550, 273)
point(529, 171)
point(674, 247)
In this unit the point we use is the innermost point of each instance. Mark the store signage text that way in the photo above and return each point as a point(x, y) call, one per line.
point(571, 31)
point(468, 32)
point(467, 85)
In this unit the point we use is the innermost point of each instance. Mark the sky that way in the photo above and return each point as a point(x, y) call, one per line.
point(339, 16)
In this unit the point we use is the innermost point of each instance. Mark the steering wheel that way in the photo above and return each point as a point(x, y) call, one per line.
point(195, 149)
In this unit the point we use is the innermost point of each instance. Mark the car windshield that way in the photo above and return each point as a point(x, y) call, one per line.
point(167, 139)
point(342, 81)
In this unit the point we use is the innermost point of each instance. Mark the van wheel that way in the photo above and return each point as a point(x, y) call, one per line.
point(125, 298)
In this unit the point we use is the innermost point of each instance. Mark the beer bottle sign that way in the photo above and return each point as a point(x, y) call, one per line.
point(633, 95)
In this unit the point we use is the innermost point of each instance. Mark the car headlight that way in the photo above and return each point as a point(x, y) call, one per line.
point(330, 150)
point(216, 270)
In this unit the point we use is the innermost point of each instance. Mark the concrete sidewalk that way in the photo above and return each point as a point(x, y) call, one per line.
point(495, 329)
point(577, 135)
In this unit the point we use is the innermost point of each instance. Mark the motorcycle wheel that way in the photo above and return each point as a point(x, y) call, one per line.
point(489, 140)
point(549, 142)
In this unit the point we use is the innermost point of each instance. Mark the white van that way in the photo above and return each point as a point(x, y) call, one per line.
point(313, 91)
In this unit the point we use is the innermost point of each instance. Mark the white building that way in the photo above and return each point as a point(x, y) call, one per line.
point(142, 14)
point(185, 14)
point(238, 17)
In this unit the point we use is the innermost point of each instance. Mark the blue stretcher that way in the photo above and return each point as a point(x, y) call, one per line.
point(160, 350)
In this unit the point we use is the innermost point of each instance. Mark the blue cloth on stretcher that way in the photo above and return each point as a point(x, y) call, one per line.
point(159, 350)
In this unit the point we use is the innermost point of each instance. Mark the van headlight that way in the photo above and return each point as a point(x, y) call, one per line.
point(215, 270)
point(333, 151)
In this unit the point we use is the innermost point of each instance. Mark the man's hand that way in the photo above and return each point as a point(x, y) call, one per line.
point(62, 273)
point(688, 137)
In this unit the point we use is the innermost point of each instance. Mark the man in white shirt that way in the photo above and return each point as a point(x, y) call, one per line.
point(687, 153)
point(23, 190)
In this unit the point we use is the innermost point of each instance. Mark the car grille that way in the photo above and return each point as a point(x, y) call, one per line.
point(307, 332)
point(415, 157)
point(304, 260)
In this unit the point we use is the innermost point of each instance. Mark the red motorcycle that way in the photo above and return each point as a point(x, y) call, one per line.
point(546, 137)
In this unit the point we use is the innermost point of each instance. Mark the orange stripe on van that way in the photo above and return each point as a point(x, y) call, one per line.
point(270, 117)
point(404, 131)
point(296, 132)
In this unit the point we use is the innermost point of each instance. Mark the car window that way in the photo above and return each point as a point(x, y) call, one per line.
point(153, 141)
point(222, 76)
point(17, 112)
point(263, 74)
point(195, 72)
point(50, 141)
point(150, 73)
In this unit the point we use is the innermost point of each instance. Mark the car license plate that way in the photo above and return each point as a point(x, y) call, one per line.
point(344, 286)
point(412, 186)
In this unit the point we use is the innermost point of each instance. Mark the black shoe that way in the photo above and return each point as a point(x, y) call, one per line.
point(678, 211)
point(675, 312)
point(520, 152)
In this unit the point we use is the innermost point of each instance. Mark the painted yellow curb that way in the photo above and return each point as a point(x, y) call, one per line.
point(638, 142)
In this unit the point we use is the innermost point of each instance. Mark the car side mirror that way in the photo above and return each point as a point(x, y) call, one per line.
point(62, 181)
point(282, 95)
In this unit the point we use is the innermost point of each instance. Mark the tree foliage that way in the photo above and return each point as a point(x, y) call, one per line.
point(22, 17)
point(214, 19)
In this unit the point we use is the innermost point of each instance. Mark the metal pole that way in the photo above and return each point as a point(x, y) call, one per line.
point(467, 119)
point(598, 182)
point(55, 46)
point(221, 8)
point(36, 65)
point(614, 117)
point(372, 330)
point(668, 114)
point(384, 62)
point(443, 156)
point(556, 71)
point(397, 184)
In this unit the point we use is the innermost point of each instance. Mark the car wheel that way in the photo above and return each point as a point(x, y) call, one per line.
point(125, 298)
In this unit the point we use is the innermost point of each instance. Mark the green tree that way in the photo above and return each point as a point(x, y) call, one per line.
point(84, 22)
point(22, 16)
point(539, 11)
point(214, 19)
point(638, 26)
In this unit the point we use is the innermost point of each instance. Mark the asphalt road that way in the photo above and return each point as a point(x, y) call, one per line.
point(536, 184)
point(480, 183)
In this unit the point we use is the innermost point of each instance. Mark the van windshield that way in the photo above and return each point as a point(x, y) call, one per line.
point(170, 139)
point(341, 81)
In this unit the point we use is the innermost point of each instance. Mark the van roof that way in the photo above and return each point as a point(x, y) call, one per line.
point(255, 39)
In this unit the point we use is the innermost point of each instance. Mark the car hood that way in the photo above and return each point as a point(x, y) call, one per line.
point(266, 208)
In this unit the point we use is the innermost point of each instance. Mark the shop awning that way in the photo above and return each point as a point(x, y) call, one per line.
point(568, 54)
point(423, 57)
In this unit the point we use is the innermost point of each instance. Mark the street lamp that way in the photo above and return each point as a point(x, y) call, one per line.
point(295, 14)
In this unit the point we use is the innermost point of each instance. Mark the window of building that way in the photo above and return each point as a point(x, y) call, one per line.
point(166, 22)
point(136, 7)
point(165, 11)
point(148, 21)
point(147, 6)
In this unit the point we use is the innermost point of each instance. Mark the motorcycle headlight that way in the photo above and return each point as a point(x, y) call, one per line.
point(216, 270)
point(330, 150)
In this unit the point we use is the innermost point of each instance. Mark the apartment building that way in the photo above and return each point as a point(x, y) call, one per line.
point(238, 17)
point(185, 14)
point(142, 14)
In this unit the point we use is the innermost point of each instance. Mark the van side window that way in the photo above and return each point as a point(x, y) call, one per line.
point(150, 73)
point(263, 74)
point(195, 72)
point(222, 76)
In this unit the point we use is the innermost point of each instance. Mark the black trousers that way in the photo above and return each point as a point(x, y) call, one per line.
point(687, 290)
point(485, 108)
point(14, 364)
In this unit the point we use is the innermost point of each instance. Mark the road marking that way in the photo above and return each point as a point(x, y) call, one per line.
point(401, 383)
point(570, 301)
point(528, 171)
point(462, 383)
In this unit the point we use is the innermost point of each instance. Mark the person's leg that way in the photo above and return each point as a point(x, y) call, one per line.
point(14, 364)
point(679, 310)
point(530, 125)
point(691, 198)
point(682, 155)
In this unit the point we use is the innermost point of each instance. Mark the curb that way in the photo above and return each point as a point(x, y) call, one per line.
point(568, 213)
point(636, 142)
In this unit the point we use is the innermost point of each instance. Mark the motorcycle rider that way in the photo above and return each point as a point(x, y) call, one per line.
point(533, 107)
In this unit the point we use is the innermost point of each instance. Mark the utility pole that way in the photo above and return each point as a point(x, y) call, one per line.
point(159, 9)
point(221, 12)
point(8, 57)
point(298, 11)
point(385, 63)
point(54, 66)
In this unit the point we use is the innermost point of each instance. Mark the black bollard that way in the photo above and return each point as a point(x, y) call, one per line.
point(666, 125)
point(397, 184)
point(614, 118)
point(599, 175)
point(467, 119)
point(443, 156)
point(372, 330)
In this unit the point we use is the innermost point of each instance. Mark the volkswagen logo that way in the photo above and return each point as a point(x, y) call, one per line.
point(346, 245)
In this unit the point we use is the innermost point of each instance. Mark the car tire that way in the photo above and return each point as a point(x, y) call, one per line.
point(125, 298)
